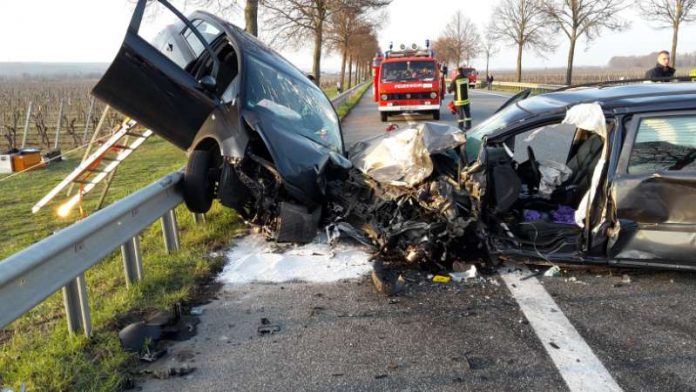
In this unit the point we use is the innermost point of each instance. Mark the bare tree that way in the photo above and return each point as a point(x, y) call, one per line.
point(443, 48)
point(489, 47)
point(578, 18)
point(522, 23)
point(463, 38)
point(669, 13)
point(295, 21)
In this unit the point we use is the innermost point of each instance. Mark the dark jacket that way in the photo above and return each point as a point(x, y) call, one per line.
point(659, 72)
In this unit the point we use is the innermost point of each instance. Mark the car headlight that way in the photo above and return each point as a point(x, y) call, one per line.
point(433, 95)
point(384, 97)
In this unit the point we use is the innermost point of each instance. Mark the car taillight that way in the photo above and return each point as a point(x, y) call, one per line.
point(384, 97)
point(433, 95)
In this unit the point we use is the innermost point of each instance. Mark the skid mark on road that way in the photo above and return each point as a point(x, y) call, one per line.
point(580, 368)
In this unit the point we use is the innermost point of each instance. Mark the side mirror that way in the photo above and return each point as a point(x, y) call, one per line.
point(208, 82)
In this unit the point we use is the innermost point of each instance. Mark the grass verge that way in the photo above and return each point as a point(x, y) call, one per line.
point(36, 349)
point(345, 108)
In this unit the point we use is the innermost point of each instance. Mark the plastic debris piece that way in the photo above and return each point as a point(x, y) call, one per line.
point(625, 279)
point(552, 272)
point(472, 273)
point(458, 276)
point(197, 310)
point(441, 279)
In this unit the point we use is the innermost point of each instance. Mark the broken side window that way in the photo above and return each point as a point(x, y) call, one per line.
point(664, 143)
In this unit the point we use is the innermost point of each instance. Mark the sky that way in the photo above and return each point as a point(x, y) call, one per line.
point(92, 30)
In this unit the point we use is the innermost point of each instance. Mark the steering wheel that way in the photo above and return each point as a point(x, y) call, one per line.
point(534, 165)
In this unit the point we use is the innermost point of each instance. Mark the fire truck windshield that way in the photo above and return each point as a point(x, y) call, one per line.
point(403, 71)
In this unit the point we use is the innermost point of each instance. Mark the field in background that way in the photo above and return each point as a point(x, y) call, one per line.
point(580, 75)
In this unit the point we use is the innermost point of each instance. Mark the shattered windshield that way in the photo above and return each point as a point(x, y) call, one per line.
point(291, 103)
point(494, 123)
point(404, 71)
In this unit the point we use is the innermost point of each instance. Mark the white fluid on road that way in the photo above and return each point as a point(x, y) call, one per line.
point(253, 259)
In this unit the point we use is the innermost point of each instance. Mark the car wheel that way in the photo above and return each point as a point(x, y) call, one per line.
point(198, 187)
point(384, 116)
point(436, 115)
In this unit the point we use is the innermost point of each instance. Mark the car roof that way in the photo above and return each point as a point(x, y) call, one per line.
point(682, 94)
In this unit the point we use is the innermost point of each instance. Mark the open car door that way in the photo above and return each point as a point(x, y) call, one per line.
point(655, 191)
point(149, 79)
point(515, 98)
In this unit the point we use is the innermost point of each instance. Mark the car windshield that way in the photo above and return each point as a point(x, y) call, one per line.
point(494, 123)
point(291, 103)
point(403, 71)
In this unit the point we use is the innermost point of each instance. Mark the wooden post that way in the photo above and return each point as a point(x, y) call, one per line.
point(26, 125)
point(88, 120)
point(59, 122)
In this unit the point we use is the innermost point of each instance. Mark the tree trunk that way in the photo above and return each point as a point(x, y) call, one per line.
point(488, 58)
point(350, 71)
point(251, 17)
point(343, 68)
point(356, 72)
point(519, 63)
point(571, 54)
point(318, 40)
point(675, 37)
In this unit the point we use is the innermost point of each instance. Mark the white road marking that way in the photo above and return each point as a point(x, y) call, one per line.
point(580, 368)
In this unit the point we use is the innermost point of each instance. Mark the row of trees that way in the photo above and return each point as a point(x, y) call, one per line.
point(534, 24)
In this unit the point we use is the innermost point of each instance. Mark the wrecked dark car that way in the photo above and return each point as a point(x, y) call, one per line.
point(260, 136)
point(590, 174)
point(599, 174)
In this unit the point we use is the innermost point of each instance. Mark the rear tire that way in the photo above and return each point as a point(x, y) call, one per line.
point(436, 115)
point(198, 186)
point(384, 116)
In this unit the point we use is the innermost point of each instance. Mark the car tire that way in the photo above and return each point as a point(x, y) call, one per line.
point(384, 116)
point(436, 115)
point(198, 187)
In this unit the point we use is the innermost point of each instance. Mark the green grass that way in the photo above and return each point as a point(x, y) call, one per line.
point(37, 349)
point(344, 109)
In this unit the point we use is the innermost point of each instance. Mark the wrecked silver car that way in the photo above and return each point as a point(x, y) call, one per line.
point(600, 174)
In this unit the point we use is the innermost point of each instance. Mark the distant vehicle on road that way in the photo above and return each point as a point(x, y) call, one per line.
point(408, 80)
point(470, 73)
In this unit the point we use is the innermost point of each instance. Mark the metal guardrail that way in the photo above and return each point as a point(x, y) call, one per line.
point(60, 260)
point(341, 98)
point(30, 276)
point(534, 86)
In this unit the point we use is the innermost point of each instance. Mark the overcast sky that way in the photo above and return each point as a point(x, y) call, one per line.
point(92, 30)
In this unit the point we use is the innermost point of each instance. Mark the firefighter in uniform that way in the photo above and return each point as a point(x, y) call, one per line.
point(460, 86)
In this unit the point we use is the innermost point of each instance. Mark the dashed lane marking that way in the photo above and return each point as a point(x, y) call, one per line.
point(580, 368)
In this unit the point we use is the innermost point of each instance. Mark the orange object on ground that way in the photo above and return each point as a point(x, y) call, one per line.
point(26, 160)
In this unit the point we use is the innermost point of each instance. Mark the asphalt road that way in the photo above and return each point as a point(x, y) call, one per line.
point(344, 336)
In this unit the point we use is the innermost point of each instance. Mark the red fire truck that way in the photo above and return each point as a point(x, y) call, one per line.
point(408, 80)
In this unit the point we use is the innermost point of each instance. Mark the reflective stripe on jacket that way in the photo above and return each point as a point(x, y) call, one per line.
point(461, 91)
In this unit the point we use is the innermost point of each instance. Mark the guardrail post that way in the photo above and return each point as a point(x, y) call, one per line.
point(198, 218)
point(132, 260)
point(170, 232)
point(77, 306)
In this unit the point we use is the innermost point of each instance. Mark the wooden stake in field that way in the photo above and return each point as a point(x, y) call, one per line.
point(26, 125)
point(59, 122)
point(88, 120)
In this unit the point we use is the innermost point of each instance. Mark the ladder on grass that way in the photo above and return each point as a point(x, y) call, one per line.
point(100, 164)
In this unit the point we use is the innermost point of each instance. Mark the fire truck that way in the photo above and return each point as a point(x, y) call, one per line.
point(408, 80)
point(470, 73)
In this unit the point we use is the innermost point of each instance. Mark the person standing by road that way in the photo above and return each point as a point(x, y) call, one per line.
point(490, 82)
point(460, 87)
point(662, 70)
